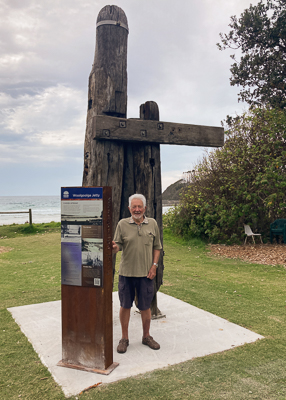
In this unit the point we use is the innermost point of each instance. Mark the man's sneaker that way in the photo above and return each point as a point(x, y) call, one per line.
point(149, 341)
point(122, 347)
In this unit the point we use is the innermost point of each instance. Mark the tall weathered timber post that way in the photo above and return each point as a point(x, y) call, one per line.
point(107, 95)
point(142, 174)
point(150, 111)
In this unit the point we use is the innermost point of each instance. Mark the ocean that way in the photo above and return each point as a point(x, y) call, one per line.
point(44, 209)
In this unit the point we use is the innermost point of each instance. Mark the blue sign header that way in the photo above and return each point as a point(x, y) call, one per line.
point(81, 193)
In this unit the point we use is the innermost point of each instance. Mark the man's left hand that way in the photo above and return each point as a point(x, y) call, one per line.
point(152, 272)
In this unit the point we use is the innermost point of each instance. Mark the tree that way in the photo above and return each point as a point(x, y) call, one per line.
point(260, 34)
point(243, 182)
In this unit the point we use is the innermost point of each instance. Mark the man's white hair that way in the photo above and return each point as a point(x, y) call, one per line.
point(138, 196)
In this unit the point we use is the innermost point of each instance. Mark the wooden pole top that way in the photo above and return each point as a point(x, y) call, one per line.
point(112, 15)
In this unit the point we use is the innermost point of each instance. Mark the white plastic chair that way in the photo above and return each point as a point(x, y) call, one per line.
point(249, 232)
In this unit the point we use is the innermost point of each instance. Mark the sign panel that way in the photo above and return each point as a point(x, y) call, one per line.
point(82, 236)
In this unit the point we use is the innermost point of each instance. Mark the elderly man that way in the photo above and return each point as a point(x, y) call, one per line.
point(139, 239)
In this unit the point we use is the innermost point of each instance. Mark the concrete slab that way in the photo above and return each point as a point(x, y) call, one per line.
point(186, 332)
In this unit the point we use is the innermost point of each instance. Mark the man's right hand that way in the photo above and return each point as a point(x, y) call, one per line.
point(115, 248)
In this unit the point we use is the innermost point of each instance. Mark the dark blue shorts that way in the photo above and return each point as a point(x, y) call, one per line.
point(144, 288)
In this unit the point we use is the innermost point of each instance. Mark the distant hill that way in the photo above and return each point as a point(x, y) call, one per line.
point(173, 191)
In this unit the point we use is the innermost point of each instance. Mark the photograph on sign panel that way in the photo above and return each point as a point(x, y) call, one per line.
point(92, 262)
point(92, 246)
point(70, 233)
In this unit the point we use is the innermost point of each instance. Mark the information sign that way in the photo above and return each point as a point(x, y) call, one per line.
point(82, 236)
point(87, 279)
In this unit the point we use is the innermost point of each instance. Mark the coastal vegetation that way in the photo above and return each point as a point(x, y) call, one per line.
point(241, 183)
point(250, 295)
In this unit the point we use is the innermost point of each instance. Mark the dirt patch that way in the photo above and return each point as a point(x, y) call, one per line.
point(270, 254)
point(4, 249)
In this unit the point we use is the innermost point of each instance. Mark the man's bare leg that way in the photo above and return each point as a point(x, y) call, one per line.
point(124, 316)
point(146, 322)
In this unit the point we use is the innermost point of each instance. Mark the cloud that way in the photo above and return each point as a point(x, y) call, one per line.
point(46, 125)
point(46, 41)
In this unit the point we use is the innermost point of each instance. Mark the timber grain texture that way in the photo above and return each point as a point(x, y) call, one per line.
point(138, 130)
point(107, 95)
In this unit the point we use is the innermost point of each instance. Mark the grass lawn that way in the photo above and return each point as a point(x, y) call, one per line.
point(251, 295)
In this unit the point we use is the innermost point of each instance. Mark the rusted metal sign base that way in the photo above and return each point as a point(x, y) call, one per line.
point(107, 371)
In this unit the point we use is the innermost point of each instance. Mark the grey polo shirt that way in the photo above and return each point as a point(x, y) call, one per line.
point(137, 243)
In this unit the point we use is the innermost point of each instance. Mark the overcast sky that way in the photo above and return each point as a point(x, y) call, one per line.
point(46, 55)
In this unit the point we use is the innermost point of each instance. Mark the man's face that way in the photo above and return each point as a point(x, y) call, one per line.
point(137, 209)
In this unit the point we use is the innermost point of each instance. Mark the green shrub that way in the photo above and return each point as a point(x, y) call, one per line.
point(243, 182)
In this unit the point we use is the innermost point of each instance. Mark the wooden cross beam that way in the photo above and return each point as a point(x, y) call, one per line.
point(147, 131)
